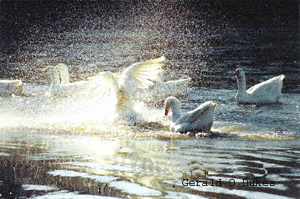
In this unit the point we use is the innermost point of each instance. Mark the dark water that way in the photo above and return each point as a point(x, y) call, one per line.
point(51, 148)
point(89, 36)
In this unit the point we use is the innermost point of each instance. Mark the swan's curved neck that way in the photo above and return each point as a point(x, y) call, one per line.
point(64, 76)
point(54, 75)
point(176, 112)
point(241, 80)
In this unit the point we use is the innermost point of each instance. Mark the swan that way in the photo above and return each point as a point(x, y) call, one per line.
point(153, 93)
point(33, 90)
point(63, 90)
point(161, 90)
point(265, 92)
point(89, 86)
point(125, 85)
point(199, 119)
point(9, 87)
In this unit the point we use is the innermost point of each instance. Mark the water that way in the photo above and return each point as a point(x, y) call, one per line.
point(69, 147)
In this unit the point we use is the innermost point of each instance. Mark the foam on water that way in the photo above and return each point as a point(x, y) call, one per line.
point(94, 113)
point(82, 113)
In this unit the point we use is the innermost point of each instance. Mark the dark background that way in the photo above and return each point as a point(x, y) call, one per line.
point(264, 31)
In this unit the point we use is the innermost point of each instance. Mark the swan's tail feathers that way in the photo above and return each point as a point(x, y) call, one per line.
point(200, 111)
point(214, 105)
point(10, 84)
point(146, 72)
point(17, 84)
point(281, 77)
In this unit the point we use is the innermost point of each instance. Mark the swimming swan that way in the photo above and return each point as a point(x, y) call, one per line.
point(265, 92)
point(63, 90)
point(199, 119)
point(9, 87)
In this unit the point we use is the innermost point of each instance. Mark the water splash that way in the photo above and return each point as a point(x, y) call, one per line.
point(87, 112)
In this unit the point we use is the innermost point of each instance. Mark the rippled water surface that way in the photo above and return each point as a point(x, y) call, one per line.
point(70, 148)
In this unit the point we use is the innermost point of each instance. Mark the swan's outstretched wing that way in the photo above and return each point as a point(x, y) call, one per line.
point(161, 90)
point(105, 77)
point(104, 81)
point(141, 74)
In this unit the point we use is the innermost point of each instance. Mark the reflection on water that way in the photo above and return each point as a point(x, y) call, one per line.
point(37, 164)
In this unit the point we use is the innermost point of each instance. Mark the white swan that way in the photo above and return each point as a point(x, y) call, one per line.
point(153, 93)
point(199, 119)
point(92, 86)
point(125, 85)
point(263, 93)
point(160, 90)
point(63, 90)
point(9, 87)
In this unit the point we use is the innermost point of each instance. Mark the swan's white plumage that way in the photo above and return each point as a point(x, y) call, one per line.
point(92, 85)
point(9, 87)
point(141, 74)
point(160, 90)
point(138, 75)
point(59, 76)
point(265, 92)
point(63, 90)
point(64, 73)
point(199, 119)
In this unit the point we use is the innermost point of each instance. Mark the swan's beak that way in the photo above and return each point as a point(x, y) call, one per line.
point(45, 70)
point(166, 112)
point(214, 106)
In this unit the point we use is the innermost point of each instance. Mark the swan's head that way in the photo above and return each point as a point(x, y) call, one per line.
point(54, 74)
point(62, 67)
point(171, 103)
point(239, 72)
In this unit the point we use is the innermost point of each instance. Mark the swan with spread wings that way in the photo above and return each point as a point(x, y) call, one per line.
point(125, 85)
